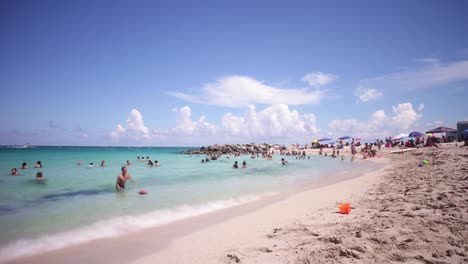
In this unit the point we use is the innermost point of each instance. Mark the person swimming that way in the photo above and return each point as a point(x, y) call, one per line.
point(128, 163)
point(14, 172)
point(244, 165)
point(202, 161)
point(122, 178)
point(284, 162)
point(156, 163)
point(24, 166)
point(103, 163)
point(150, 163)
point(38, 164)
point(91, 165)
point(39, 177)
point(235, 166)
point(79, 163)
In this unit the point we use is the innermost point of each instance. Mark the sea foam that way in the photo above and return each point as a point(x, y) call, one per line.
point(116, 227)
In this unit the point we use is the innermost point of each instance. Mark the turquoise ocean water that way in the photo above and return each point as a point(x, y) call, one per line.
point(78, 204)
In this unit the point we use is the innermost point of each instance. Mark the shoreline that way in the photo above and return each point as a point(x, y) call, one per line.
point(162, 238)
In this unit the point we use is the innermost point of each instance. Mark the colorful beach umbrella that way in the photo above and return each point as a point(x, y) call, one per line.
point(345, 137)
point(358, 139)
point(315, 140)
point(325, 139)
point(415, 134)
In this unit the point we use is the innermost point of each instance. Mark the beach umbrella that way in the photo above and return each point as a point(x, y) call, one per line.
point(415, 134)
point(315, 140)
point(331, 142)
point(345, 137)
point(358, 139)
point(441, 130)
point(324, 139)
point(429, 135)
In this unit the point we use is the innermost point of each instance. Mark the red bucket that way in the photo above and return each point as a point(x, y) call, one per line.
point(345, 208)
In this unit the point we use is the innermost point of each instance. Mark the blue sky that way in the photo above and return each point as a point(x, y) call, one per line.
point(195, 73)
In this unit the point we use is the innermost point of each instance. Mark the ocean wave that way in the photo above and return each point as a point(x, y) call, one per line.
point(116, 227)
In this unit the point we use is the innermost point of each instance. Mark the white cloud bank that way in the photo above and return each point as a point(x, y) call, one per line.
point(379, 124)
point(242, 91)
point(276, 121)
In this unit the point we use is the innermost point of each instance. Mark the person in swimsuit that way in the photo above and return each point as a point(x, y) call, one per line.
point(24, 166)
point(122, 178)
point(14, 172)
point(38, 164)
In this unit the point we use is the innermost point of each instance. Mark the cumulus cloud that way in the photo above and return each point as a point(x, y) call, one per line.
point(379, 124)
point(366, 94)
point(276, 121)
point(241, 91)
point(315, 79)
point(134, 126)
point(422, 77)
point(185, 126)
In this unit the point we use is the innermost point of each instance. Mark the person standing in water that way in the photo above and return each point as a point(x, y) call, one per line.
point(122, 178)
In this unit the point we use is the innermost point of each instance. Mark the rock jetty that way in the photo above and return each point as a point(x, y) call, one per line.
point(235, 148)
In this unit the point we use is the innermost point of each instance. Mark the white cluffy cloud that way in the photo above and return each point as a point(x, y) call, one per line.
point(428, 75)
point(429, 60)
point(276, 121)
point(379, 124)
point(366, 94)
point(319, 78)
point(134, 126)
point(242, 91)
point(185, 126)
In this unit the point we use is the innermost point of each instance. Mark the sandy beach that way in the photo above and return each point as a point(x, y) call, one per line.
point(400, 213)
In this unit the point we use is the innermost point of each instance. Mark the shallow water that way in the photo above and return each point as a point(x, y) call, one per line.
point(77, 204)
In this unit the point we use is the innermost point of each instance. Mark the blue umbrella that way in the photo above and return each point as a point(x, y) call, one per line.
point(345, 137)
point(415, 134)
point(331, 142)
point(324, 139)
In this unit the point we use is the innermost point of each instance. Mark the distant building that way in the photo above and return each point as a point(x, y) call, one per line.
point(461, 126)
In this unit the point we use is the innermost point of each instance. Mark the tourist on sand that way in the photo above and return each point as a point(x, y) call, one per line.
point(14, 172)
point(244, 165)
point(24, 166)
point(235, 166)
point(103, 163)
point(38, 164)
point(39, 177)
point(122, 178)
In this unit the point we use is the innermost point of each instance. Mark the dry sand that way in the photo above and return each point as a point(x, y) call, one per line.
point(411, 214)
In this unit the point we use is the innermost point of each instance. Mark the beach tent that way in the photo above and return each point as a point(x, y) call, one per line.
point(345, 137)
point(415, 134)
point(441, 130)
point(324, 139)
